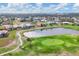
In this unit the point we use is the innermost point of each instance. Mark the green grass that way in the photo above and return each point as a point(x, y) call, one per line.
point(74, 27)
point(1, 27)
point(66, 40)
point(51, 44)
point(2, 50)
point(12, 34)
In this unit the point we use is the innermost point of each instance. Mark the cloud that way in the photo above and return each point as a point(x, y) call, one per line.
point(55, 8)
point(37, 8)
point(39, 4)
point(59, 6)
point(76, 5)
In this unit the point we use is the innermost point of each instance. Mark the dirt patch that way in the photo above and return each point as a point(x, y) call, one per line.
point(5, 42)
point(10, 44)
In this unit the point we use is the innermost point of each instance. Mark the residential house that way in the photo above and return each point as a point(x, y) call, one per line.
point(40, 24)
point(8, 27)
point(26, 25)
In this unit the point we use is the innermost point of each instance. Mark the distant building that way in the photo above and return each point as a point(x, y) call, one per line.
point(26, 25)
point(37, 18)
point(5, 23)
point(8, 27)
point(40, 24)
point(5, 19)
point(44, 19)
point(76, 20)
point(15, 26)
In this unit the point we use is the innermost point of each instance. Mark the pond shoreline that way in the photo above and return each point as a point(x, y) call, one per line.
point(50, 31)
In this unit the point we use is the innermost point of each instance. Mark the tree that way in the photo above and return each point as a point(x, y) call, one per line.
point(30, 42)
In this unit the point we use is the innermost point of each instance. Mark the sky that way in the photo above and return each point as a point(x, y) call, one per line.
point(39, 7)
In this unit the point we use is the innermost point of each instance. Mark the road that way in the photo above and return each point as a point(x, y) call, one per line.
point(20, 44)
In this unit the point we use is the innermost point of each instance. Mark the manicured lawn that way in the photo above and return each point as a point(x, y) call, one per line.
point(71, 27)
point(52, 44)
point(55, 43)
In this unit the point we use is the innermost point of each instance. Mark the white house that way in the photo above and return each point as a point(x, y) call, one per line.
point(26, 25)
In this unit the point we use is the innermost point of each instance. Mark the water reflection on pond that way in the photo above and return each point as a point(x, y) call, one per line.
point(52, 31)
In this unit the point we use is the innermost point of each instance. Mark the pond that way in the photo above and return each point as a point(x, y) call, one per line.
point(48, 32)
